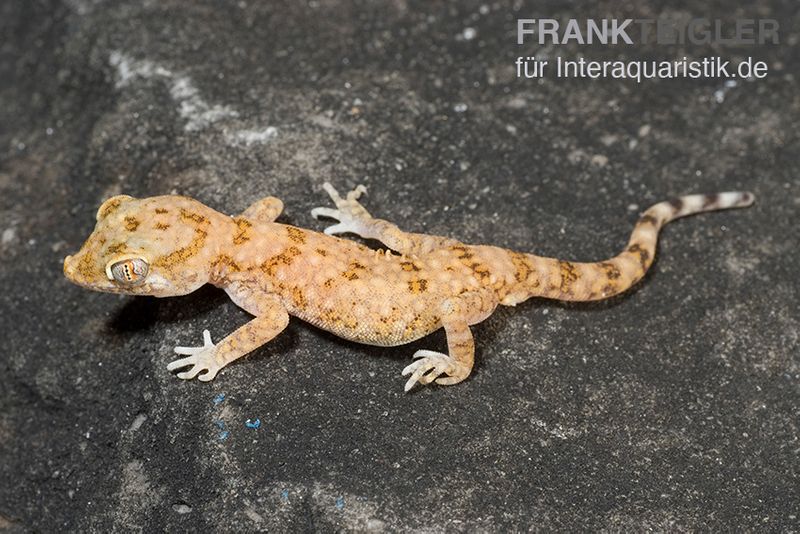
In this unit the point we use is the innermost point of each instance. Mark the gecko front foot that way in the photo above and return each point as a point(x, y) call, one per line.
point(202, 360)
point(430, 366)
point(350, 213)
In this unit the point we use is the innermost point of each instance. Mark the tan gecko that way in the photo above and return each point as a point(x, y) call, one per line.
point(171, 245)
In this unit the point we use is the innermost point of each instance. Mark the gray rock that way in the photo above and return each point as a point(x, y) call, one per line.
point(673, 407)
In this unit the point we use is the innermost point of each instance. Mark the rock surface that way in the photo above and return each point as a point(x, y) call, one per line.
point(674, 407)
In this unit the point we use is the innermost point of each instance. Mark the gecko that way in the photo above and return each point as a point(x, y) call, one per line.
point(172, 245)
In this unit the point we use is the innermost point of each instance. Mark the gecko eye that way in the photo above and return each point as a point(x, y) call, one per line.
point(129, 272)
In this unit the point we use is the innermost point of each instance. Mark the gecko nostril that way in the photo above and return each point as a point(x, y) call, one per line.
point(68, 269)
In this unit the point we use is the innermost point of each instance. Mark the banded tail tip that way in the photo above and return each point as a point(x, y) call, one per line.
point(717, 201)
point(747, 199)
point(731, 199)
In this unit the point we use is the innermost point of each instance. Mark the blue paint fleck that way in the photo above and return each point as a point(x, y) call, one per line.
point(340, 503)
point(218, 399)
point(223, 433)
point(285, 495)
point(253, 423)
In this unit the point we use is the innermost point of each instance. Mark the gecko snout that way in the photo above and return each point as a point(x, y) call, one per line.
point(72, 272)
point(69, 269)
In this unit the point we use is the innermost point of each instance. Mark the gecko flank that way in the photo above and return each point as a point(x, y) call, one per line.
point(171, 245)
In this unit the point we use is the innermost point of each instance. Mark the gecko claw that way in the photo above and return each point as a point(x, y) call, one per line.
point(201, 359)
point(430, 365)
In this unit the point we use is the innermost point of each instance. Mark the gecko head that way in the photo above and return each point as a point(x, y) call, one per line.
point(158, 246)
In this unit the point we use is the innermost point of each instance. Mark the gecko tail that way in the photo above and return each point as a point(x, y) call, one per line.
point(564, 280)
point(691, 204)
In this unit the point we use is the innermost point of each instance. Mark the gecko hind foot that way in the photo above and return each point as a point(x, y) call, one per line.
point(349, 212)
point(202, 360)
point(429, 367)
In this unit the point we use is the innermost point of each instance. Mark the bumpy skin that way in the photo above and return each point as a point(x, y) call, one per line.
point(381, 298)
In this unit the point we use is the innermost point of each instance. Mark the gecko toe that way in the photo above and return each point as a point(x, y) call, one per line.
point(189, 351)
point(200, 363)
point(407, 370)
point(428, 367)
point(340, 228)
point(331, 192)
point(201, 359)
point(177, 364)
point(191, 373)
point(450, 380)
point(416, 370)
point(207, 339)
point(422, 353)
point(356, 193)
point(326, 212)
point(208, 376)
